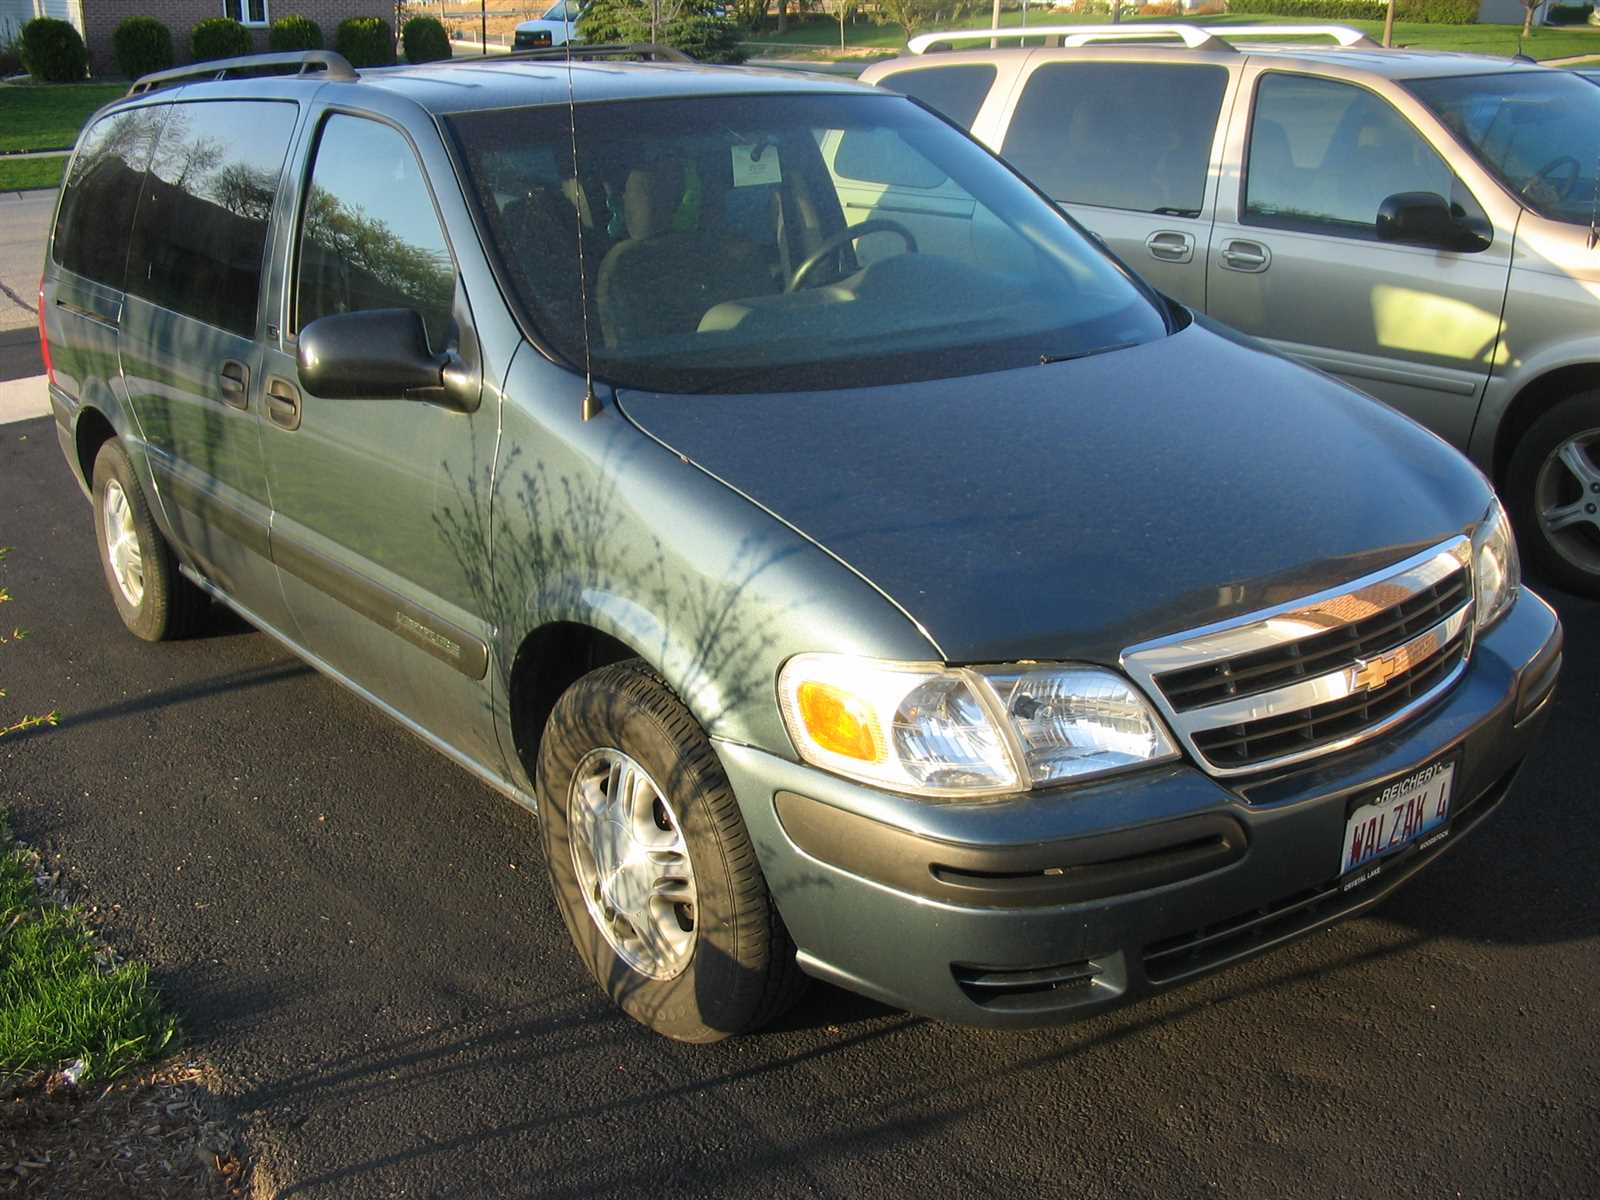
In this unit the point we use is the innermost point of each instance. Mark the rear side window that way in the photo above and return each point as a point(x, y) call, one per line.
point(100, 195)
point(878, 156)
point(201, 231)
point(957, 92)
point(1120, 135)
point(370, 237)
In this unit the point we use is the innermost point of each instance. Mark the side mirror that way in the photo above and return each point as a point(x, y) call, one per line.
point(378, 353)
point(1420, 218)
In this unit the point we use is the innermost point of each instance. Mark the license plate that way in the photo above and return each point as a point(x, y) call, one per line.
point(1406, 810)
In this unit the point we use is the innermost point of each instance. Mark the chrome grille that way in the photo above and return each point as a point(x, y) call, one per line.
point(1317, 674)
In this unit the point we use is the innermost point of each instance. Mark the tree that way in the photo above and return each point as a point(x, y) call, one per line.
point(1530, 9)
point(842, 9)
point(910, 15)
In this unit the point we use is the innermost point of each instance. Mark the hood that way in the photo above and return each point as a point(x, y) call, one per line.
point(1069, 511)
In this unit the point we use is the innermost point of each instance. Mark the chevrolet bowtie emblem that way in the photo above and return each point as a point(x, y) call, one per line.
point(1370, 674)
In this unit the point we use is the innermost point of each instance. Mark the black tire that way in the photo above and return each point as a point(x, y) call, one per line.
point(170, 606)
point(1570, 559)
point(741, 970)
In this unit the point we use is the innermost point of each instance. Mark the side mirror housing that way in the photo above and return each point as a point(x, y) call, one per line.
point(1420, 219)
point(375, 354)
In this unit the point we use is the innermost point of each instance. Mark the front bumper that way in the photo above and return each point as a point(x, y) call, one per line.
point(1054, 905)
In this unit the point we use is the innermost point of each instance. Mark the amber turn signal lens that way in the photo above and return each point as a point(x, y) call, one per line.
point(840, 722)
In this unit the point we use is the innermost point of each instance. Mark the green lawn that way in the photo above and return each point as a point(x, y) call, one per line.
point(1549, 42)
point(20, 174)
point(47, 116)
point(58, 1001)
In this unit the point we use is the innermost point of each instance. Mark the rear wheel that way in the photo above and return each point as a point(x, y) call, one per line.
point(651, 865)
point(1553, 486)
point(155, 602)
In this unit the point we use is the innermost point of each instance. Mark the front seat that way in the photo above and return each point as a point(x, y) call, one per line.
point(658, 282)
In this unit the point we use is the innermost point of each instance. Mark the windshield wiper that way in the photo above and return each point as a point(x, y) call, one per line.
point(1046, 359)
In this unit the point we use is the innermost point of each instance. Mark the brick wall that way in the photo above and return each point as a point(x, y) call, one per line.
point(101, 17)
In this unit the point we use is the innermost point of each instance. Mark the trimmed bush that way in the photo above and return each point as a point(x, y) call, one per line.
point(295, 33)
point(1568, 14)
point(698, 31)
point(219, 37)
point(1426, 12)
point(424, 40)
point(53, 52)
point(366, 42)
point(141, 45)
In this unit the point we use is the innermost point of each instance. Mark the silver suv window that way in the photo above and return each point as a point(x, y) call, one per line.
point(957, 92)
point(1120, 135)
point(1325, 155)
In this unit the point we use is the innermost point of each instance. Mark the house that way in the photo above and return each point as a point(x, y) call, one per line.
point(97, 19)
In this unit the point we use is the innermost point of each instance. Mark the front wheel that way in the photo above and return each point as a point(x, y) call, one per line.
point(1553, 489)
point(651, 865)
point(155, 602)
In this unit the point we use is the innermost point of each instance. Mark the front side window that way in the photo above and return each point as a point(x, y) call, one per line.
point(201, 231)
point(957, 92)
point(246, 12)
point(369, 235)
point(1120, 135)
point(1538, 132)
point(1325, 155)
point(99, 197)
point(710, 242)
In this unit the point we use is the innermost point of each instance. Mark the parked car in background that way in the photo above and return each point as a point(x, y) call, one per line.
point(1421, 224)
point(557, 25)
point(960, 622)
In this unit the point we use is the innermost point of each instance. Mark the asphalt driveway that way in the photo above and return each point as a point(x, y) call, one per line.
point(360, 937)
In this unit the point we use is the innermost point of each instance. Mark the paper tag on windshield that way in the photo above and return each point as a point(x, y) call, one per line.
point(751, 172)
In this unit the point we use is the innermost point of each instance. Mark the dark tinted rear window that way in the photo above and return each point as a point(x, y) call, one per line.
point(1121, 135)
point(99, 197)
point(957, 92)
point(201, 230)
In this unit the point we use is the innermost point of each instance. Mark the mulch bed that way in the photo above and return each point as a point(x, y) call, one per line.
point(152, 1133)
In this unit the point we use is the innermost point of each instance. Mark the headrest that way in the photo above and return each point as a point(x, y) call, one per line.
point(651, 197)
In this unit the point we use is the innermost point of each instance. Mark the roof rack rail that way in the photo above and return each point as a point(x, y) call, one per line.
point(1344, 35)
point(1194, 37)
point(330, 63)
point(653, 50)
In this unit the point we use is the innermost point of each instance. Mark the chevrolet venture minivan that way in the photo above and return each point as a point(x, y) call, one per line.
point(951, 619)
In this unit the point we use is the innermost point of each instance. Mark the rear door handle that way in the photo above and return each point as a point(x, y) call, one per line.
point(1170, 245)
point(234, 380)
point(1240, 255)
point(283, 403)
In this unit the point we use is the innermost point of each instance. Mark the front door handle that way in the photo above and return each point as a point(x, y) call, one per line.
point(1240, 255)
point(234, 380)
point(283, 403)
point(1170, 245)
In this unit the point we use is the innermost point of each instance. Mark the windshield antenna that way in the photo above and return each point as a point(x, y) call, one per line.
point(1594, 206)
point(591, 402)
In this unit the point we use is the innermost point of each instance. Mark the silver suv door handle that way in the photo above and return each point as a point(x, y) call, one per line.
point(1240, 255)
point(1170, 245)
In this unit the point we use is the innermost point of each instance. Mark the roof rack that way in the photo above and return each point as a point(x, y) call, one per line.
point(652, 50)
point(1194, 37)
point(330, 63)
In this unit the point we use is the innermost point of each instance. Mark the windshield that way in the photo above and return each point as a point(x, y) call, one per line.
point(558, 12)
point(1538, 131)
point(781, 243)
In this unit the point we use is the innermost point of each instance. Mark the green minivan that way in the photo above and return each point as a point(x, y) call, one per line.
point(953, 619)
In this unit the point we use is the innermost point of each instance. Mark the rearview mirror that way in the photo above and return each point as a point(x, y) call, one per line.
point(378, 353)
point(1420, 218)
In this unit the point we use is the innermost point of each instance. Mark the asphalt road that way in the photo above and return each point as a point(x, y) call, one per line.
point(360, 938)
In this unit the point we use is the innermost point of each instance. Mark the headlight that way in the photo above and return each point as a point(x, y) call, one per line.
point(936, 731)
point(1496, 573)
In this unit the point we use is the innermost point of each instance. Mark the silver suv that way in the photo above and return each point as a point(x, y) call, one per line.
point(1421, 224)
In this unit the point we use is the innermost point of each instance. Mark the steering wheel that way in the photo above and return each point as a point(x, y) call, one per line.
point(1563, 189)
point(843, 238)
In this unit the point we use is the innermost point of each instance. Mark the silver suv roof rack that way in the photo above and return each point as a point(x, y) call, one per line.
point(329, 63)
point(1194, 37)
point(654, 51)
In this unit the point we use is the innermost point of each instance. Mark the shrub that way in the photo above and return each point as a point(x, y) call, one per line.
point(295, 33)
point(141, 45)
point(10, 57)
point(219, 37)
point(424, 40)
point(366, 42)
point(53, 52)
point(1427, 12)
point(1568, 14)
